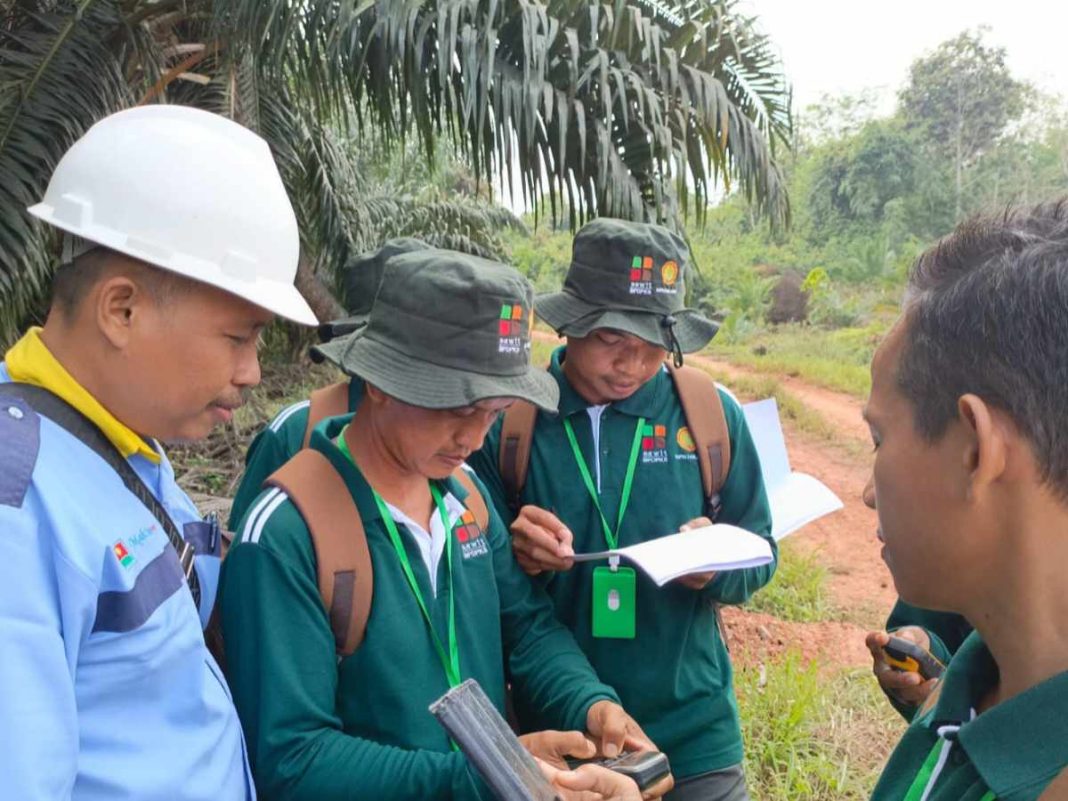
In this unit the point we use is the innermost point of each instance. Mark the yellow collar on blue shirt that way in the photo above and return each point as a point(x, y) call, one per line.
point(29, 361)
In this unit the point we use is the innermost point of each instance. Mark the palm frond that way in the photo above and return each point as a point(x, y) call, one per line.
point(596, 104)
point(57, 77)
point(633, 108)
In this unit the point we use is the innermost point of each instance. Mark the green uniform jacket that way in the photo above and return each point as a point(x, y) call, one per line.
point(675, 677)
point(320, 729)
point(275, 445)
point(947, 631)
point(1010, 752)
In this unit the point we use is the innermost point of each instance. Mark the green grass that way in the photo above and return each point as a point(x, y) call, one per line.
point(205, 472)
point(757, 387)
point(802, 417)
point(798, 591)
point(836, 359)
point(811, 736)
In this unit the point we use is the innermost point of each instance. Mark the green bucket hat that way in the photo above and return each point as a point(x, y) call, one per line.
point(629, 276)
point(446, 330)
point(361, 278)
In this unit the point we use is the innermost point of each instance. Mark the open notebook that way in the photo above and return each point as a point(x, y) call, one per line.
point(795, 498)
point(720, 547)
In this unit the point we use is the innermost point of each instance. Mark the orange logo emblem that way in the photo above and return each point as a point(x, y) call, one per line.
point(685, 440)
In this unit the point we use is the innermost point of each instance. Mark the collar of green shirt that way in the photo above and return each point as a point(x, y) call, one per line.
point(644, 403)
point(356, 386)
point(323, 440)
point(1035, 722)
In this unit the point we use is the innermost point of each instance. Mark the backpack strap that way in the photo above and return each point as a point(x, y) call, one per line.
point(343, 558)
point(513, 458)
point(474, 501)
point(346, 578)
point(50, 405)
point(703, 409)
point(329, 401)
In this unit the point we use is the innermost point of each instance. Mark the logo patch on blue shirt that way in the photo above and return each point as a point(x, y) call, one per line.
point(124, 549)
point(122, 553)
point(138, 539)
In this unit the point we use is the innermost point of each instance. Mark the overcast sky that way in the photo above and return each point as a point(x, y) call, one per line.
point(843, 46)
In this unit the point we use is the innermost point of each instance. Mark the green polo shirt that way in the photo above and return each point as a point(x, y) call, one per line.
point(321, 729)
point(1010, 752)
point(947, 631)
point(275, 445)
point(675, 676)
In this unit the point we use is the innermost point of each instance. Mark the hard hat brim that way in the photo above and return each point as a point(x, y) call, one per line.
point(276, 297)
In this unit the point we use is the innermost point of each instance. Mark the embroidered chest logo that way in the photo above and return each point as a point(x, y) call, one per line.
point(510, 328)
point(654, 443)
point(469, 535)
point(688, 448)
point(139, 539)
point(125, 548)
point(643, 275)
point(122, 553)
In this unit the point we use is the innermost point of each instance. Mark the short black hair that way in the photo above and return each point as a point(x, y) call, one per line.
point(987, 313)
point(74, 280)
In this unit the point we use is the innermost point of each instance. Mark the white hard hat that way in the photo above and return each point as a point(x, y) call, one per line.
point(188, 191)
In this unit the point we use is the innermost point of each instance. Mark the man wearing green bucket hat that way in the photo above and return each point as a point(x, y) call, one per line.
point(622, 464)
point(287, 432)
point(449, 602)
point(628, 277)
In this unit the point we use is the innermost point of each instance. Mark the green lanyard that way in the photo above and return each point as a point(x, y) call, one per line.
point(612, 538)
point(450, 663)
point(923, 778)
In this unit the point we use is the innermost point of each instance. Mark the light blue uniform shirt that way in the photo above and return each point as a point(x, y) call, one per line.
point(107, 690)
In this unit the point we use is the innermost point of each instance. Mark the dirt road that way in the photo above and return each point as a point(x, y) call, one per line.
point(859, 582)
point(840, 410)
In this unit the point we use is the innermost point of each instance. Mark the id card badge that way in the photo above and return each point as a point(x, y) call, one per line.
point(613, 602)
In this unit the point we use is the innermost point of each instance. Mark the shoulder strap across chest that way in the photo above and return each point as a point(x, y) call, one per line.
point(343, 559)
point(329, 401)
point(701, 406)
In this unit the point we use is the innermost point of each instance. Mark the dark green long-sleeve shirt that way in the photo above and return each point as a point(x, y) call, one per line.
point(273, 446)
point(1010, 752)
point(319, 729)
point(675, 677)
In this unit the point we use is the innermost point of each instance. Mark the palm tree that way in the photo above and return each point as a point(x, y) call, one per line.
point(632, 108)
point(396, 192)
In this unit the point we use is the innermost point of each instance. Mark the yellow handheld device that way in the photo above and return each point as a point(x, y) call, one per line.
point(906, 655)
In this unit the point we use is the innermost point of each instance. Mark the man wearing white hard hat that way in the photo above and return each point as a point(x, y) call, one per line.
point(180, 245)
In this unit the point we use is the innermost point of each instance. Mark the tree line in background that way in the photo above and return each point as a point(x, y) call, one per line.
point(870, 192)
point(395, 118)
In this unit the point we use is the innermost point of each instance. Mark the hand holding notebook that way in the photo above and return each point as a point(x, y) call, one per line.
point(717, 548)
